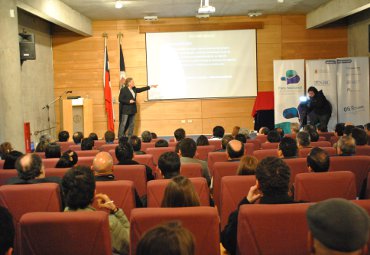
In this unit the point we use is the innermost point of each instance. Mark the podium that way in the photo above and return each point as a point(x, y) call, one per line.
point(76, 115)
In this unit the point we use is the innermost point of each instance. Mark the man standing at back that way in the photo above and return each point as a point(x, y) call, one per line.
point(187, 151)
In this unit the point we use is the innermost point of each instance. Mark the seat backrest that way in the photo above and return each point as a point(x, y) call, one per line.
point(41, 154)
point(327, 135)
point(2, 163)
point(86, 161)
point(108, 147)
point(191, 170)
point(359, 165)
point(75, 147)
point(121, 192)
point(315, 187)
point(157, 152)
point(202, 222)
point(202, 151)
point(261, 154)
point(72, 233)
point(90, 153)
point(113, 154)
point(50, 162)
point(256, 143)
point(145, 146)
point(321, 144)
point(156, 190)
point(363, 150)
point(134, 173)
point(248, 148)
point(222, 169)
point(21, 199)
point(233, 190)
point(214, 157)
point(265, 229)
point(172, 144)
point(261, 138)
point(6, 174)
point(57, 172)
point(302, 153)
point(145, 159)
point(265, 146)
point(64, 146)
point(334, 139)
point(296, 166)
point(217, 143)
point(98, 143)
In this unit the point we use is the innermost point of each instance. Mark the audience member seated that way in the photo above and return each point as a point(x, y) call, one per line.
point(309, 128)
point(103, 167)
point(235, 131)
point(136, 145)
point(314, 136)
point(11, 158)
point(247, 166)
point(225, 140)
point(53, 150)
point(5, 148)
point(337, 226)
point(187, 151)
point(78, 187)
point(169, 164)
point(346, 146)
point(241, 137)
point(31, 170)
point(167, 239)
point(235, 150)
point(287, 148)
point(77, 137)
point(303, 140)
point(348, 129)
point(263, 131)
point(161, 143)
point(360, 136)
point(218, 133)
point(109, 137)
point(318, 160)
point(7, 232)
point(180, 192)
point(339, 129)
point(179, 134)
point(93, 136)
point(68, 159)
point(87, 144)
point(63, 136)
point(272, 185)
point(202, 140)
point(146, 136)
point(280, 131)
point(43, 142)
point(294, 128)
point(125, 155)
point(273, 137)
point(154, 135)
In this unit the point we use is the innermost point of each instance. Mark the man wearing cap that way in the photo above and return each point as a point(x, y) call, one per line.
point(338, 226)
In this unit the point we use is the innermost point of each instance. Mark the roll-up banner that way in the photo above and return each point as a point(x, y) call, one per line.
point(322, 74)
point(353, 90)
point(288, 87)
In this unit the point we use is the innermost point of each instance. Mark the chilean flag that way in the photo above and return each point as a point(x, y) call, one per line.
point(108, 92)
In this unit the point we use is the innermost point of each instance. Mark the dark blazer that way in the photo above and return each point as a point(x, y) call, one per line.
point(124, 99)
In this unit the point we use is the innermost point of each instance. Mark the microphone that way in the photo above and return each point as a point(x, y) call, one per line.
point(69, 91)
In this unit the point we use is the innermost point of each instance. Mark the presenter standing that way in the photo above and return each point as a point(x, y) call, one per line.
point(127, 106)
point(318, 109)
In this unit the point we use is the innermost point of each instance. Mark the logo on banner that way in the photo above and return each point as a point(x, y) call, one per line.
point(353, 108)
point(291, 77)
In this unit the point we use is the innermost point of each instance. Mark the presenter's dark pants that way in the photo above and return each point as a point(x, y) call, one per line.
point(319, 120)
point(127, 123)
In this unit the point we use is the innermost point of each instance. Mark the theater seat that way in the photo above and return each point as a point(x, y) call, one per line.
point(261, 154)
point(75, 147)
point(62, 233)
point(302, 153)
point(233, 190)
point(266, 146)
point(191, 170)
point(57, 172)
point(145, 146)
point(7, 174)
point(90, 153)
point(85, 161)
point(217, 143)
point(214, 157)
point(261, 138)
point(134, 173)
point(98, 143)
point(202, 222)
point(157, 152)
point(272, 229)
point(156, 190)
point(222, 169)
point(41, 154)
point(327, 135)
point(315, 187)
point(113, 154)
point(2, 163)
point(64, 146)
point(334, 139)
point(363, 150)
point(121, 192)
point(50, 162)
point(202, 151)
point(296, 166)
point(108, 147)
point(145, 159)
point(321, 144)
point(248, 149)
point(256, 143)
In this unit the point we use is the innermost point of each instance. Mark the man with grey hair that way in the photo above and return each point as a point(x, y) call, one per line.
point(346, 146)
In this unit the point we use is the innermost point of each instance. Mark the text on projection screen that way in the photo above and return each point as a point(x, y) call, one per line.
point(204, 64)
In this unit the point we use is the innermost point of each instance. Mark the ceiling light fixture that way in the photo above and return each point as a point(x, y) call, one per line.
point(118, 4)
point(254, 14)
point(206, 8)
point(151, 18)
point(280, 1)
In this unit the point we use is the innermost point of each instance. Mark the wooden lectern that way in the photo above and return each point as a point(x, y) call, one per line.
point(76, 115)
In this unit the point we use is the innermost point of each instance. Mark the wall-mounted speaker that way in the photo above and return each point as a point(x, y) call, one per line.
point(27, 46)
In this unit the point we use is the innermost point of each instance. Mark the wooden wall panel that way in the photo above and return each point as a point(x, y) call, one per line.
point(78, 66)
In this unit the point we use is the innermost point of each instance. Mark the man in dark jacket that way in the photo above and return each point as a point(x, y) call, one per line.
point(318, 109)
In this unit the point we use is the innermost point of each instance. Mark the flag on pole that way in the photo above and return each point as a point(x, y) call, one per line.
point(108, 92)
point(122, 67)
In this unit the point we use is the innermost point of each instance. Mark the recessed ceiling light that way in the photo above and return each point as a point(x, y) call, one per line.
point(280, 1)
point(119, 4)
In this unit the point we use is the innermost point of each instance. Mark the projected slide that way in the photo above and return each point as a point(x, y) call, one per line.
point(206, 64)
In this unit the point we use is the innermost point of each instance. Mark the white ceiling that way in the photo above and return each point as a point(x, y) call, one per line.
point(136, 9)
